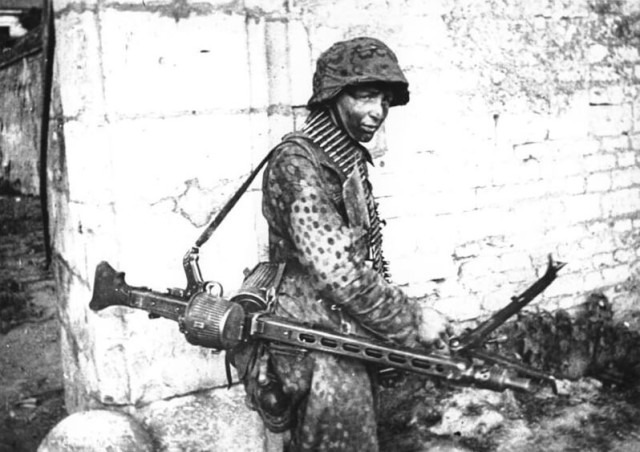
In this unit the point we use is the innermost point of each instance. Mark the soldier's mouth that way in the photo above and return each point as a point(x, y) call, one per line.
point(368, 128)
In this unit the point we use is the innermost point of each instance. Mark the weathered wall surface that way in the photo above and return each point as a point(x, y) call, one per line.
point(20, 113)
point(522, 138)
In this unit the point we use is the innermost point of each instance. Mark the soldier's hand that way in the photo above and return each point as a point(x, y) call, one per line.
point(434, 328)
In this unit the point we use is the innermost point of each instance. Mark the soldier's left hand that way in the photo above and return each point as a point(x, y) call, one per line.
point(434, 329)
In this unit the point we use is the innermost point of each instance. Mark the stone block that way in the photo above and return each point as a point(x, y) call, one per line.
point(93, 232)
point(146, 360)
point(301, 64)
point(621, 202)
point(157, 66)
point(609, 95)
point(599, 162)
point(73, 5)
point(593, 281)
point(597, 182)
point(479, 267)
point(157, 159)
point(580, 208)
point(215, 420)
point(624, 256)
point(623, 225)
point(97, 431)
point(610, 119)
point(265, 7)
point(173, 8)
point(615, 275)
point(614, 144)
point(460, 308)
point(602, 260)
point(625, 178)
point(570, 118)
point(89, 162)
point(626, 159)
point(497, 297)
point(79, 65)
point(257, 55)
point(153, 260)
point(523, 128)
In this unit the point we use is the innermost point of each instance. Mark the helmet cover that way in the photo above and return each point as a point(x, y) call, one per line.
point(357, 61)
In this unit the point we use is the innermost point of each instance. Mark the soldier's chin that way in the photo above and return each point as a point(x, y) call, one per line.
point(365, 137)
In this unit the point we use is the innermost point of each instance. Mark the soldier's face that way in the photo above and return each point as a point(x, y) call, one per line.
point(363, 109)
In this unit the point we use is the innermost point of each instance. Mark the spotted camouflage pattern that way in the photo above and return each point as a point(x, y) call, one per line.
point(356, 61)
point(326, 279)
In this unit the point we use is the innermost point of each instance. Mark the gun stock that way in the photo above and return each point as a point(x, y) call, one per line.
point(111, 289)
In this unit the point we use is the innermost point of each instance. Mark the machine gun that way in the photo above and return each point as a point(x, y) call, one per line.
point(208, 319)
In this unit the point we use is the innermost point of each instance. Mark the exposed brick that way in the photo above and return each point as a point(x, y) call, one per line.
point(623, 225)
point(580, 208)
point(90, 174)
point(565, 284)
point(623, 256)
point(602, 260)
point(614, 144)
point(576, 148)
point(599, 162)
point(626, 159)
point(598, 182)
point(607, 120)
point(621, 202)
point(498, 298)
point(593, 281)
point(606, 95)
point(625, 178)
point(480, 267)
point(615, 275)
point(471, 249)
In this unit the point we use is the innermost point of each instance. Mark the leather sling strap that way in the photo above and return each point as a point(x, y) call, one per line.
point(210, 229)
point(208, 232)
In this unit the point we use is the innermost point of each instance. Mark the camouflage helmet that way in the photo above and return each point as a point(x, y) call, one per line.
point(356, 61)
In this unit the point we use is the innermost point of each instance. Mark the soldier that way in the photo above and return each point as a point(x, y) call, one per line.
point(323, 223)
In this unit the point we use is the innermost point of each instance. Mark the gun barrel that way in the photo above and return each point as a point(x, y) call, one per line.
point(477, 336)
point(453, 369)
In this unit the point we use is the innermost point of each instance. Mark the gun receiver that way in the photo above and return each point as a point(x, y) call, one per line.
point(211, 321)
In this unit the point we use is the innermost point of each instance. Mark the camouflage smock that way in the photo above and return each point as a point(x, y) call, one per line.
point(327, 282)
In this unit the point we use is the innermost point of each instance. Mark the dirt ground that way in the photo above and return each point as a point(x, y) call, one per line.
point(31, 389)
point(598, 411)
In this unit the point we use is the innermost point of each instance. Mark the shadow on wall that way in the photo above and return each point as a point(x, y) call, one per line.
point(9, 187)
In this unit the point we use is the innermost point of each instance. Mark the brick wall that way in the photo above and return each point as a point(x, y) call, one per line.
point(521, 139)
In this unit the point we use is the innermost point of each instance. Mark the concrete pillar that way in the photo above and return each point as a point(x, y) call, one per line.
point(163, 109)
